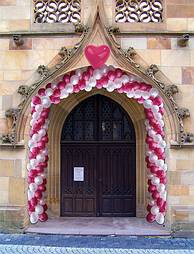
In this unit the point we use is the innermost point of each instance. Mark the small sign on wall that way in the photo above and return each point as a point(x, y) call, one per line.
point(78, 174)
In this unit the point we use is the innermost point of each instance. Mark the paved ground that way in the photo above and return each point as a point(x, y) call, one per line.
point(14, 249)
point(98, 226)
point(33, 243)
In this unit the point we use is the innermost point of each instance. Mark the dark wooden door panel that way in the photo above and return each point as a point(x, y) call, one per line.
point(78, 197)
point(99, 136)
point(117, 180)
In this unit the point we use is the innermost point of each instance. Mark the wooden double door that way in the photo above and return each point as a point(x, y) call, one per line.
point(98, 160)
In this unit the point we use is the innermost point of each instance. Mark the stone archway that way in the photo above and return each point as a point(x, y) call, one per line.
point(111, 79)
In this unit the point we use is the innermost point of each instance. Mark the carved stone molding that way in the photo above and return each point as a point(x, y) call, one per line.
point(183, 113)
point(126, 58)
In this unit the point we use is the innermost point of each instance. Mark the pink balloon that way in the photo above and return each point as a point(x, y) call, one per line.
point(34, 201)
point(41, 144)
point(160, 202)
point(118, 72)
point(48, 85)
point(85, 76)
point(38, 194)
point(90, 70)
point(99, 84)
point(66, 78)
point(41, 91)
point(36, 100)
point(81, 84)
point(42, 187)
point(155, 195)
point(150, 217)
point(97, 55)
point(43, 217)
point(152, 188)
point(111, 75)
point(153, 169)
point(56, 92)
point(61, 85)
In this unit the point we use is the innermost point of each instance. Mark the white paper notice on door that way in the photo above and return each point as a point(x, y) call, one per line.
point(78, 174)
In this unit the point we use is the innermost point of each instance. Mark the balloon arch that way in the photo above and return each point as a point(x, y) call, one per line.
point(111, 79)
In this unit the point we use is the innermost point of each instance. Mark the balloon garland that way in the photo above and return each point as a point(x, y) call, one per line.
point(111, 79)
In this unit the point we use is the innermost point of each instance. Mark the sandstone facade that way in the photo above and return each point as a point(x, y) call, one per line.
point(155, 43)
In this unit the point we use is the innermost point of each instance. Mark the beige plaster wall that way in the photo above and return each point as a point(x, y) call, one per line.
point(17, 65)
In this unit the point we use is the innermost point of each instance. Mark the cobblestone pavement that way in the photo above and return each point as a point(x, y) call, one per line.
point(24, 249)
point(34, 243)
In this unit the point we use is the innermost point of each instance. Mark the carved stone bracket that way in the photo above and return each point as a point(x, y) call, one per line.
point(12, 116)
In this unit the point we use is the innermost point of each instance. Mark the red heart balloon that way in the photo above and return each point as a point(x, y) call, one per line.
point(97, 55)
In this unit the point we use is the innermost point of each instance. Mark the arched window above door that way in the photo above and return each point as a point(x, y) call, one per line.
point(98, 118)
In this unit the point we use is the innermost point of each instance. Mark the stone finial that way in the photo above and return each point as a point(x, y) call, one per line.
point(43, 70)
point(23, 90)
point(152, 70)
point(63, 52)
point(183, 113)
point(170, 90)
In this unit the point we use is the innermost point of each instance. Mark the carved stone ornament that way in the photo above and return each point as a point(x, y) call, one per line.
point(131, 52)
point(43, 70)
point(113, 29)
point(12, 116)
point(17, 38)
point(188, 137)
point(183, 113)
point(127, 59)
point(79, 27)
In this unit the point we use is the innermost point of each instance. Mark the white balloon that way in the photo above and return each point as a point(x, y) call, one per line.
point(163, 195)
point(42, 202)
point(40, 158)
point(153, 92)
point(78, 72)
point(69, 88)
point(53, 86)
point(92, 82)
point(35, 115)
point(36, 137)
point(145, 95)
point(160, 163)
point(42, 132)
point(151, 202)
point(38, 108)
point(165, 167)
point(46, 102)
point(74, 79)
point(130, 94)
point(155, 108)
point(88, 88)
point(104, 69)
point(162, 144)
point(29, 167)
point(155, 210)
point(160, 218)
point(33, 218)
point(30, 194)
point(64, 94)
point(150, 176)
point(31, 143)
point(33, 163)
point(137, 94)
point(118, 83)
point(153, 158)
point(38, 180)
point(124, 79)
point(97, 74)
point(161, 187)
point(157, 137)
point(151, 133)
point(155, 180)
point(39, 209)
point(147, 103)
point(45, 152)
point(33, 187)
point(48, 92)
